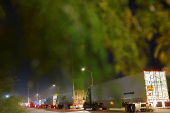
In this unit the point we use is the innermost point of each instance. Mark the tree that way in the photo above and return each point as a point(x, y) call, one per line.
point(108, 37)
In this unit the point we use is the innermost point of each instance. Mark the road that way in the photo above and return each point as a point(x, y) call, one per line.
point(34, 110)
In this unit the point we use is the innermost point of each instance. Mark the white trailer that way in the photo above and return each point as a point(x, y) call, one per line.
point(156, 88)
point(147, 87)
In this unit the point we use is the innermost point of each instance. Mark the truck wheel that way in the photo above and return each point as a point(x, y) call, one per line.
point(68, 106)
point(126, 109)
point(84, 108)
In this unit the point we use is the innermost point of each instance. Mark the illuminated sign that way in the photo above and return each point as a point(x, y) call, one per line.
point(156, 85)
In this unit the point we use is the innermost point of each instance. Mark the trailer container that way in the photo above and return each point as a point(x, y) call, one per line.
point(147, 90)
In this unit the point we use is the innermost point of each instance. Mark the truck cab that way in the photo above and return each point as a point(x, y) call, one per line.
point(89, 105)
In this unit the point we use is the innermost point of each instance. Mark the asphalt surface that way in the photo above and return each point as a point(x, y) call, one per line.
point(35, 110)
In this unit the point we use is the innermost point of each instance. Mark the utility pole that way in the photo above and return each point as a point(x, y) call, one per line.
point(72, 66)
point(28, 95)
point(37, 91)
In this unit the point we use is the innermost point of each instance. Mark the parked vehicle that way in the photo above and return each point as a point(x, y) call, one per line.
point(140, 92)
point(71, 99)
point(51, 101)
point(31, 105)
point(42, 103)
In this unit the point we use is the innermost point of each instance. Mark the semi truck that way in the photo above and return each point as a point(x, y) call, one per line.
point(42, 103)
point(66, 100)
point(71, 99)
point(31, 104)
point(138, 92)
point(36, 103)
point(51, 101)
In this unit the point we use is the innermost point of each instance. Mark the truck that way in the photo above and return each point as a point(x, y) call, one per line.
point(42, 103)
point(31, 104)
point(71, 99)
point(139, 92)
point(51, 101)
point(36, 103)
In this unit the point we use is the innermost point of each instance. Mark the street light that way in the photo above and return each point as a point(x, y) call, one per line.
point(83, 69)
point(56, 86)
point(7, 96)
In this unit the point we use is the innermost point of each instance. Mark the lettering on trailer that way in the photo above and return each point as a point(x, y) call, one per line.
point(155, 82)
point(165, 94)
point(156, 85)
point(128, 93)
point(152, 77)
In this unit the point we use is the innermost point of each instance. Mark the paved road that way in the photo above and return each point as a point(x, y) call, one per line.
point(34, 110)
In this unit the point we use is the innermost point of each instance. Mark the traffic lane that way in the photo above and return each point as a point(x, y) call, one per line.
point(35, 110)
point(162, 110)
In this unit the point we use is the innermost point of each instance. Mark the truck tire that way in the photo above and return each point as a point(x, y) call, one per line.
point(68, 106)
point(126, 110)
point(60, 106)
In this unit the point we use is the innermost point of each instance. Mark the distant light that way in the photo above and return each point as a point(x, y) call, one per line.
point(7, 96)
point(53, 85)
point(83, 69)
point(37, 94)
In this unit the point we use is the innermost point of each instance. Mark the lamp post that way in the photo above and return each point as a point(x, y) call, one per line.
point(37, 91)
point(58, 94)
point(56, 86)
point(83, 69)
point(37, 96)
point(28, 95)
point(7, 96)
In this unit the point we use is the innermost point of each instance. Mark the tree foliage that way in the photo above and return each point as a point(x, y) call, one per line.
point(10, 105)
point(107, 37)
point(79, 33)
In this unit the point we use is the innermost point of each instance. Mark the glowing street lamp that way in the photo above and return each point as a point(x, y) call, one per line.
point(83, 69)
point(56, 86)
point(7, 96)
